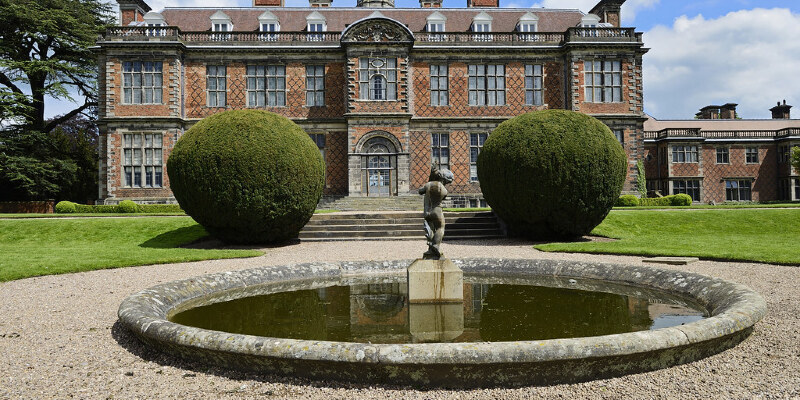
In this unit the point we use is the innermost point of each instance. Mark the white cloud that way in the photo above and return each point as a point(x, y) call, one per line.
point(749, 57)
point(629, 9)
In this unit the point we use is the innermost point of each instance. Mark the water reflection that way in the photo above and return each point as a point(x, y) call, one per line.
point(379, 313)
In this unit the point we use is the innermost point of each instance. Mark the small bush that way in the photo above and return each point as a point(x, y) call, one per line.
point(160, 208)
point(656, 201)
point(627, 200)
point(65, 207)
point(127, 207)
point(681, 199)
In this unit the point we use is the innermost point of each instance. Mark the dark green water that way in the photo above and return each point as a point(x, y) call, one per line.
point(380, 313)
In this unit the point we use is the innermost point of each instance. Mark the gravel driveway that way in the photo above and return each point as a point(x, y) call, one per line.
point(59, 337)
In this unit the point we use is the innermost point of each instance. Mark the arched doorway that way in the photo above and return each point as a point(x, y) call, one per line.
point(379, 167)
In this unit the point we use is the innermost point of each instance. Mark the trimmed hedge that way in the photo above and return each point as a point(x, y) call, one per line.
point(113, 209)
point(552, 174)
point(65, 207)
point(247, 176)
point(627, 200)
point(127, 207)
point(674, 200)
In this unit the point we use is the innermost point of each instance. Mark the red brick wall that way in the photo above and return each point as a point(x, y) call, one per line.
point(765, 172)
point(458, 91)
point(196, 98)
point(459, 160)
point(336, 163)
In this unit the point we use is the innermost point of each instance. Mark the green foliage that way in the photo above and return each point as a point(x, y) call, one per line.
point(127, 207)
point(45, 52)
point(92, 209)
point(641, 179)
point(61, 164)
point(65, 207)
point(796, 158)
point(764, 235)
point(552, 173)
point(681, 199)
point(627, 200)
point(247, 176)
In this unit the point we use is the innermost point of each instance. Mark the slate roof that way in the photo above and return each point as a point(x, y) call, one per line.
point(653, 124)
point(294, 19)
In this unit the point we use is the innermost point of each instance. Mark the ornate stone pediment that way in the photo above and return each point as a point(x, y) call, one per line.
point(377, 30)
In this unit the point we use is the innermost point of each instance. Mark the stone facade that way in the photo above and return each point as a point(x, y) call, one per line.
point(376, 140)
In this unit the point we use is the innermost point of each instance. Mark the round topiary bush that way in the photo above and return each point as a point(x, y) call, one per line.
point(65, 207)
point(627, 200)
point(551, 174)
point(681, 199)
point(247, 176)
point(127, 207)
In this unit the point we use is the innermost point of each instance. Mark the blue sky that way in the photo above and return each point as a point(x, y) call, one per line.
point(702, 52)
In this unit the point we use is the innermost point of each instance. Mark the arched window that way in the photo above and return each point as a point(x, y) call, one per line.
point(377, 87)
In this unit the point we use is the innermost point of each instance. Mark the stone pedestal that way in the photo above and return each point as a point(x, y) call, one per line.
point(435, 322)
point(435, 281)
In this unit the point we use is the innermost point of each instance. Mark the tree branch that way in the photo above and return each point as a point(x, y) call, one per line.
point(58, 120)
point(8, 82)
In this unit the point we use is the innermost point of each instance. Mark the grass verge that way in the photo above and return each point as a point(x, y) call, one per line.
point(46, 246)
point(766, 235)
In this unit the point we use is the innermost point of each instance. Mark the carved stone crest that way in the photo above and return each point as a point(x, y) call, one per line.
point(377, 31)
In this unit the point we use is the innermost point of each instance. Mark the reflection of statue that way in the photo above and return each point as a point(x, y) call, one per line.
point(435, 193)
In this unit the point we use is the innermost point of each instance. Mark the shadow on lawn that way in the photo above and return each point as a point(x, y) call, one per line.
point(133, 345)
point(195, 237)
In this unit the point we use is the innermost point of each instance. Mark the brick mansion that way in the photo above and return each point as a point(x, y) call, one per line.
point(386, 91)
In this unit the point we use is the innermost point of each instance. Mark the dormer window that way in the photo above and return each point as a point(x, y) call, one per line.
point(436, 23)
point(221, 22)
point(153, 20)
point(268, 22)
point(315, 22)
point(482, 24)
point(528, 23)
point(589, 21)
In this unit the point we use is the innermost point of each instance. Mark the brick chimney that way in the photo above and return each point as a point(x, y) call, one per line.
point(608, 11)
point(320, 3)
point(726, 111)
point(483, 3)
point(132, 11)
point(781, 111)
point(430, 3)
point(267, 3)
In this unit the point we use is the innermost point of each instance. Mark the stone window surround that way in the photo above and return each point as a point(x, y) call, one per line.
point(723, 155)
point(440, 145)
point(440, 96)
point(689, 152)
point(217, 90)
point(751, 155)
point(369, 72)
point(155, 74)
point(152, 163)
point(315, 85)
point(475, 147)
point(603, 69)
point(480, 73)
point(736, 189)
point(691, 186)
point(279, 88)
point(534, 73)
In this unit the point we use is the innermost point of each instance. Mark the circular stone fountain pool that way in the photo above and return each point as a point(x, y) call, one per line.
point(522, 322)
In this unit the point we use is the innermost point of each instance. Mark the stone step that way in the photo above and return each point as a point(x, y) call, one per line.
point(350, 238)
point(399, 227)
point(413, 234)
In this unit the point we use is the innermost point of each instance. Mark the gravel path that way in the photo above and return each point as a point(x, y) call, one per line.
point(59, 337)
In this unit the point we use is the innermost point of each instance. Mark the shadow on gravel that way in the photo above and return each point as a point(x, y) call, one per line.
point(515, 241)
point(133, 345)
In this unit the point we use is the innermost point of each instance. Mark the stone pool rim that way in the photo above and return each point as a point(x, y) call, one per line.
point(733, 308)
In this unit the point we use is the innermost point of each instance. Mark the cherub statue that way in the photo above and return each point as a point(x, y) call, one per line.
point(435, 193)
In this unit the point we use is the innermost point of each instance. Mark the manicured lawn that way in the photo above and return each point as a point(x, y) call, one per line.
point(45, 246)
point(765, 235)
